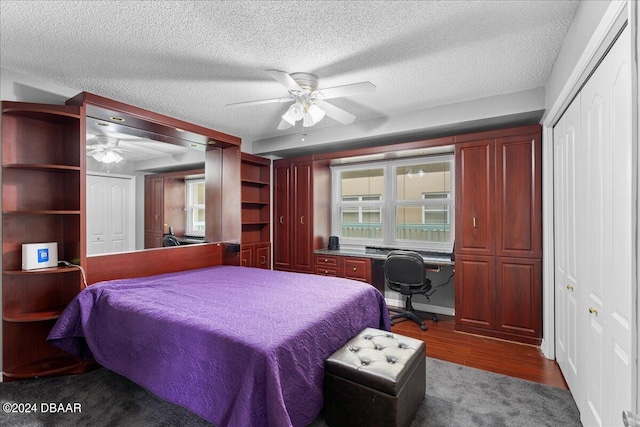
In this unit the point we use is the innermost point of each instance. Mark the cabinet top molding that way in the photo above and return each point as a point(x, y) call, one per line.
point(104, 108)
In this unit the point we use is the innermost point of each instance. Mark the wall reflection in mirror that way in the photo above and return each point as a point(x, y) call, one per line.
point(141, 189)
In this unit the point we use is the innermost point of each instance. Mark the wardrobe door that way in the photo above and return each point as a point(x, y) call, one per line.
point(302, 220)
point(518, 196)
point(281, 217)
point(475, 292)
point(474, 198)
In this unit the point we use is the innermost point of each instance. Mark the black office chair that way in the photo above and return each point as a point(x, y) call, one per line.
point(405, 272)
point(170, 240)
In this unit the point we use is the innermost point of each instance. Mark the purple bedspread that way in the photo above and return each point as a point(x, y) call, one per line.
point(238, 346)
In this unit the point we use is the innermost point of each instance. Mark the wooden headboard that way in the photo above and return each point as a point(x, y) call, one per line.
point(152, 261)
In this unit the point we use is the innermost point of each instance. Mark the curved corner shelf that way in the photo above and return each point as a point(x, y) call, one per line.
point(41, 166)
point(34, 316)
point(43, 212)
point(43, 368)
point(43, 112)
point(51, 270)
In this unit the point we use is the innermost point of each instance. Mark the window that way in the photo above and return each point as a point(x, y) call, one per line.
point(195, 207)
point(405, 203)
point(361, 202)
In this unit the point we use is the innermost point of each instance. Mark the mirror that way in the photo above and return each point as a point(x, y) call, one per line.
point(141, 184)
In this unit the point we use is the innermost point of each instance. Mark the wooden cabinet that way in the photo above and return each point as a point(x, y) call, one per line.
point(42, 198)
point(153, 211)
point(355, 268)
point(499, 234)
point(475, 292)
point(475, 172)
point(255, 175)
point(301, 212)
point(328, 265)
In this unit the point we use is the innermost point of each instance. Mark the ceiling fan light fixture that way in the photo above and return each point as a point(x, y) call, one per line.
point(294, 113)
point(315, 112)
point(110, 157)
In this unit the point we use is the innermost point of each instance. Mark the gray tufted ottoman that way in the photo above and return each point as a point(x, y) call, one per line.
point(377, 379)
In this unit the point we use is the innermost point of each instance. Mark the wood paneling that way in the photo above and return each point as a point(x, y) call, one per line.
point(153, 261)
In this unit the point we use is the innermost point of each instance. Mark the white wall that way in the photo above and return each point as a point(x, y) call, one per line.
point(502, 110)
point(584, 23)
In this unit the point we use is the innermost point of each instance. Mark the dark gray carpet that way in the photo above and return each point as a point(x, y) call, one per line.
point(456, 396)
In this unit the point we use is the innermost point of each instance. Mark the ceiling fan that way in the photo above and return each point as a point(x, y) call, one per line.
point(105, 149)
point(309, 103)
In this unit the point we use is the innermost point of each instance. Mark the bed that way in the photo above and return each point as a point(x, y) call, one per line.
point(238, 346)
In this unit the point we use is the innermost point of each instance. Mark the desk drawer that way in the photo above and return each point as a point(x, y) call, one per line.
point(327, 271)
point(357, 269)
point(327, 261)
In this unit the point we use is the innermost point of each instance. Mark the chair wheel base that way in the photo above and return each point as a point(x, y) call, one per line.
point(423, 327)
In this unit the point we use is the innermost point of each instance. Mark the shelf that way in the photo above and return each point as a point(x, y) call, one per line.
point(45, 367)
point(61, 113)
point(52, 270)
point(255, 182)
point(254, 202)
point(255, 223)
point(41, 166)
point(35, 316)
point(42, 212)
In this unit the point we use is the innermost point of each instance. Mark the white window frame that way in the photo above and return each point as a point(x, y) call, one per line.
point(190, 184)
point(389, 205)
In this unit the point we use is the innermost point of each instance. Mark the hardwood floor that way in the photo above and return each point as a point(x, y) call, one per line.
point(489, 354)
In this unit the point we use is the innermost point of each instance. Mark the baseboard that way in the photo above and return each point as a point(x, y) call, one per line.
point(426, 308)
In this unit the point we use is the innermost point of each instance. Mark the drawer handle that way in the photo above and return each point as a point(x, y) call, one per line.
point(326, 272)
point(326, 260)
point(355, 269)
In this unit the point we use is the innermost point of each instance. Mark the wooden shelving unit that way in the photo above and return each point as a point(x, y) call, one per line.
point(256, 211)
point(41, 202)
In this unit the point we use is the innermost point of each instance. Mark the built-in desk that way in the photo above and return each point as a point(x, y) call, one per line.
point(367, 265)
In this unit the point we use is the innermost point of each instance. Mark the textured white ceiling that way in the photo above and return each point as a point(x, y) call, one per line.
point(188, 59)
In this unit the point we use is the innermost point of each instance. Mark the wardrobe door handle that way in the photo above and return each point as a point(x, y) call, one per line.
point(302, 220)
point(281, 219)
point(474, 222)
point(264, 259)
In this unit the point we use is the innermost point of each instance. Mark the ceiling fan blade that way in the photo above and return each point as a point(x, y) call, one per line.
point(284, 125)
point(347, 90)
point(259, 102)
point(284, 79)
point(336, 113)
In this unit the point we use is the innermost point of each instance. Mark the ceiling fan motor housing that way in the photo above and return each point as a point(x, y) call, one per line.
point(306, 81)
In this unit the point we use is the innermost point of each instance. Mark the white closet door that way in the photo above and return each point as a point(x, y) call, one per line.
point(606, 244)
point(566, 215)
point(110, 214)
